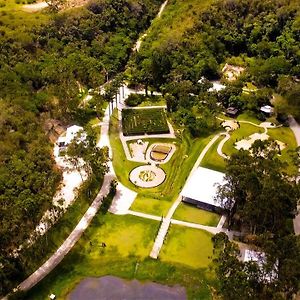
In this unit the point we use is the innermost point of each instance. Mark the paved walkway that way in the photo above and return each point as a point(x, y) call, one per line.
point(210, 229)
point(167, 220)
point(221, 144)
point(68, 244)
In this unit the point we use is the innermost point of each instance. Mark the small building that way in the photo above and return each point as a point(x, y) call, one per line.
point(267, 110)
point(260, 259)
point(232, 112)
point(232, 72)
point(217, 86)
point(52, 297)
point(71, 133)
point(201, 189)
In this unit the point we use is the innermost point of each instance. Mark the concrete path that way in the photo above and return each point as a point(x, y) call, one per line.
point(295, 127)
point(210, 229)
point(68, 244)
point(167, 220)
point(221, 144)
point(35, 6)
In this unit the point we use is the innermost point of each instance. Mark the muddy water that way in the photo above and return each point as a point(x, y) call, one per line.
point(114, 288)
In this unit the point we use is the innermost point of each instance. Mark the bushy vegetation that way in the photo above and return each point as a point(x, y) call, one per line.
point(43, 68)
point(144, 121)
point(261, 36)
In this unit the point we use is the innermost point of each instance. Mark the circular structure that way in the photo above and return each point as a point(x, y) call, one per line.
point(147, 176)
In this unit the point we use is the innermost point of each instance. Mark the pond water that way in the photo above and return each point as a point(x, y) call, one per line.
point(114, 288)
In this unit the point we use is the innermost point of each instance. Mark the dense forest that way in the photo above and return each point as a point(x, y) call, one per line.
point(41, 72)
point(260, 36)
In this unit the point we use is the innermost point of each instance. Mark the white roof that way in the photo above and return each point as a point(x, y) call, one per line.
point(72, 132)
point(267, 109)
point(202, 186)
point(251, 255)
point(61, 139)
point(260, 259)
point(217, 86)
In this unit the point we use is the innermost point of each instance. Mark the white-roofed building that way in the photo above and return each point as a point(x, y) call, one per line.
point(217, 86)
point(267, 109)
point(260, 259)
point(201, 189)
point(71, 133)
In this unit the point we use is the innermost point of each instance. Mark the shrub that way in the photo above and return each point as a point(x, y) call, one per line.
point(134, 100)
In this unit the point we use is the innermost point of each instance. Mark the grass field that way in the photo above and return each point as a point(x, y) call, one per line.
point(178, 17)
point(158, 207)
point(285, 135)
point(128, 243)
point(244, 131)
point(189, 213)
point(212, 160)
point(189, 246)
point(144, 121)
point(15, 21)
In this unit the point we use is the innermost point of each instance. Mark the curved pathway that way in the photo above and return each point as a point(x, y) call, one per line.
point(221, 144)
point(167, 220)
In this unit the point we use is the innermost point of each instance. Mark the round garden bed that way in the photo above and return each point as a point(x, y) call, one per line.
point(147, 176)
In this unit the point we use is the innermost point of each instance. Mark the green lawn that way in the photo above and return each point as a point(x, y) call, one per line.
point(186, 154)
point(188, 246)
point(248, 116)
point(189, 213)
point(158, 207)
point(15, 21)
point(285, 135)
point(121, 165)
point(155, 101)
point(243, 132)
point(212, 160)
point(128, 242)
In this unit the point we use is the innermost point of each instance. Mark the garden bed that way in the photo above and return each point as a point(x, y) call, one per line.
point(144, 121)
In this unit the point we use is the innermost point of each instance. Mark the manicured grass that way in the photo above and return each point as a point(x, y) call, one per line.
point(152, 206)
point(212, 160)
point(285, 135)
point(155, 101)
point(144, 121)
point(189, 246)
point(189, 213)
point(248, 116)
point(121, 165)
point(243, 132)
point(186, 154)
point(128, 242)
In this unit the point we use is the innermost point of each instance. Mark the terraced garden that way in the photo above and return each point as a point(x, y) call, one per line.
point(144, 121)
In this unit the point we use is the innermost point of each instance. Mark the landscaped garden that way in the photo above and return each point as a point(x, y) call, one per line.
point(119, 246)
point(183, 159)
point(144, 121)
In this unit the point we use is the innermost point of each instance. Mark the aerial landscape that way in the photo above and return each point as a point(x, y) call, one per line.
point(150, 149)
